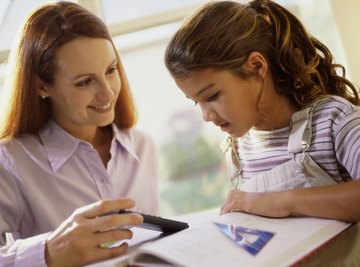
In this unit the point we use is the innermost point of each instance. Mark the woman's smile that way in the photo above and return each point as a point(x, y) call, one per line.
point(102, 108)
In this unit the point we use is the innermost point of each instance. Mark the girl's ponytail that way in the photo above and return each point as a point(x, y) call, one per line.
point(302, 62)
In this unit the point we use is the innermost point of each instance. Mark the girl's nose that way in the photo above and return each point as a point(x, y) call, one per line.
point(208, 114)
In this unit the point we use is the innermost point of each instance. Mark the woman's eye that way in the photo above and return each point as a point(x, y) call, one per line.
point(195, 103)
point(212, 97)
point(112, 70)
point(84, 83)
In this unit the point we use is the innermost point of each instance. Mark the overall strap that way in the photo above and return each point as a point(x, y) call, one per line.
point(229, 148)
point(300, 136)
point(301, 130)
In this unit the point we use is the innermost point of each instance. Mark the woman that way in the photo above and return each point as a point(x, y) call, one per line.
point(69, 153)
point(294, 122)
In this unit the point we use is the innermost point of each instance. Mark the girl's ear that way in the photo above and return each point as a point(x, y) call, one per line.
point(41, 88)
point(257, 63)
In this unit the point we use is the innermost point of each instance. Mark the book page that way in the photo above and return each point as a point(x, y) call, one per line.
point(294, 237)
point(203, 244)
point(140, 236)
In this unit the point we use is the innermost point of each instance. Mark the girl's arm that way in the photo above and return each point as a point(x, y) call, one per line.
point(340, 201)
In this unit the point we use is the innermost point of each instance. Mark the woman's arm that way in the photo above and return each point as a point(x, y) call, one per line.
point(340, 201)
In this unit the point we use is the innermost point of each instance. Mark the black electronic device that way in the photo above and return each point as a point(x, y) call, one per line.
point(167, 226)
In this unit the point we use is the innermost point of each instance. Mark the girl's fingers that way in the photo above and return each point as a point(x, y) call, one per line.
point(225, 208)
point(234, 202)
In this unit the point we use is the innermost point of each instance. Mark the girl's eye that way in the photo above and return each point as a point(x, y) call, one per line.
point(212, 97)
point(84, 83)
point(195, 103)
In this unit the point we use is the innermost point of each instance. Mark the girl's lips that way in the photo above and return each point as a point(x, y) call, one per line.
point(225, 127)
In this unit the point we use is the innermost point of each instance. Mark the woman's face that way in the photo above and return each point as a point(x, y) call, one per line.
point(86, 87)
point(225, 99)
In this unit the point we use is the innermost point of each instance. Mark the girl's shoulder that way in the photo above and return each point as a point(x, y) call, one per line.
point(334, 108)
point(337, 115)
point(335, 104)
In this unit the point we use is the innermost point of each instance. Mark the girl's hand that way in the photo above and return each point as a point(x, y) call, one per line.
point(77, 240)
point(270, 204)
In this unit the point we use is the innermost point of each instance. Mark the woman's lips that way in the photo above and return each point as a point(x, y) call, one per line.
point(102, 108)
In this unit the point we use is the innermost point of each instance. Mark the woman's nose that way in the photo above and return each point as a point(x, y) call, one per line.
point(106, 91)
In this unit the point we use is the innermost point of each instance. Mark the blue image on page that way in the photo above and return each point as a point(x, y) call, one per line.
point(252, 240)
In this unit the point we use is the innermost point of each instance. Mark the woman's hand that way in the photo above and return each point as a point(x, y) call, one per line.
point(269, 204)
point(77, 240)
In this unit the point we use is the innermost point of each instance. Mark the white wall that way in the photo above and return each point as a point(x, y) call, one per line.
point(347, 19)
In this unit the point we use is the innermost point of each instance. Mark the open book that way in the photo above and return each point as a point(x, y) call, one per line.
point(226, 240)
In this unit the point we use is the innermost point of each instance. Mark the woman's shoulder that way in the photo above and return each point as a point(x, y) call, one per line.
point(15, 148)
point(25, 140)
point(138, 139)
point(140, 135)
point(133, 134)
point(12, 144)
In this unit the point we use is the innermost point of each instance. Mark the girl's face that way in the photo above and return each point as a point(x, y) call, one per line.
point(228, 101)
point(86, 87)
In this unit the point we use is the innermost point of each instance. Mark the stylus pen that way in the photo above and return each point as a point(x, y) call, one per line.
point(117, 212)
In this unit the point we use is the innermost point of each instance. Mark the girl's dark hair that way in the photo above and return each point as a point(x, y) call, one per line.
point(44, 31)
point(221, 35)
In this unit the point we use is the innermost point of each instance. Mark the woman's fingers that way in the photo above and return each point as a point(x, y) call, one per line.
point(110, 221)
point(104, 206)
point(94, 254)
point(107, 253)
point(112, 235)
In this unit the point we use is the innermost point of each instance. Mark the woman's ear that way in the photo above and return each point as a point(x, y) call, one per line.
point(41, 88)
point(257, 63)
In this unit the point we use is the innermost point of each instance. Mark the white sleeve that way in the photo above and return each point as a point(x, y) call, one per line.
point(24, 252)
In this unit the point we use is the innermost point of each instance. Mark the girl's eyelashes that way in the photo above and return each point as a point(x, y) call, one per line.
point(212, 97)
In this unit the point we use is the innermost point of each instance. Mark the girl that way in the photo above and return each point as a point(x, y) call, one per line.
point(69, 153)
point(293, 122)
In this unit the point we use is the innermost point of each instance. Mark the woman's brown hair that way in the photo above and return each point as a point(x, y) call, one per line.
point(43, 33)
point(221, 35)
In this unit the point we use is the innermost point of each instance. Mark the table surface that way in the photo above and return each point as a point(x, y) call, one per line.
point(342, 250)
